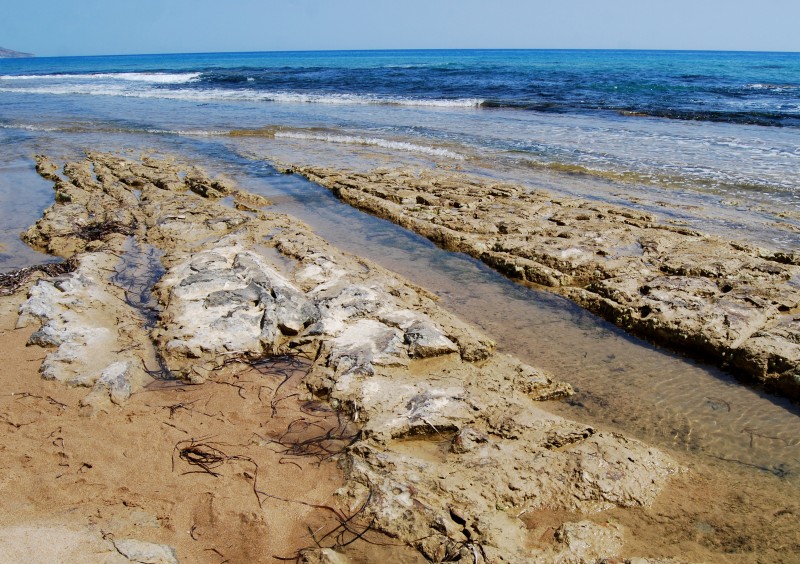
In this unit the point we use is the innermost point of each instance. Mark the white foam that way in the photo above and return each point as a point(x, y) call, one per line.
point(773, 87)
point(361, 99)
point(158, 78)
point(70, 89)
point(152, 77)
point(214, 94)
point(28, 127)
point(371, 141)
point(188, 132)
point(185, 132)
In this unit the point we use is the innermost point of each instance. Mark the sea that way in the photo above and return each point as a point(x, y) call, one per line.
point(710, 140)
point(719, 130)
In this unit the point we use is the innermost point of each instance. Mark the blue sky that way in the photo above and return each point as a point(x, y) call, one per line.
point(95, 27)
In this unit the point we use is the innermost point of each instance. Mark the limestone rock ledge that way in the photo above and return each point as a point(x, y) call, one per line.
point(99, 343)
point(455, 441)
point(725, 301)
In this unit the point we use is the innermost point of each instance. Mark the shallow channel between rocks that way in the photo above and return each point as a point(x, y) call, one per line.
point(621, 381)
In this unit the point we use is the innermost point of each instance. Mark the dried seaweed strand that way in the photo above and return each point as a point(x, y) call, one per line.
point(11, 282)
point(208, 456)
point(330, 442)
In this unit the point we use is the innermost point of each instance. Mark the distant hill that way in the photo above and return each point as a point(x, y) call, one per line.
point(9, 54)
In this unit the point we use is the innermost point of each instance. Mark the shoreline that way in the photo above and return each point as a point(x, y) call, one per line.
point(436, 407)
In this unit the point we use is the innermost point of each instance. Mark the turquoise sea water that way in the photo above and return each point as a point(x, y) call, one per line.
point(720, 121)
point(755, 88)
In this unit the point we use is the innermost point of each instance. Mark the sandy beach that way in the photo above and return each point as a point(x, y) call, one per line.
point(277, 396)
point(74, 485)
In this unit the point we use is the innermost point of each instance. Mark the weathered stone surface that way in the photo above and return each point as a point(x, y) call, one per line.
point(197, 181)
point(774, 353)
point(587, 542)
point(506, 457)
point(91, 328)
point(323, 556)
point(146, 552)
point(227, 301)
point(92, 210)
point(454, 444)
point(116, 381)
point(249, 201)
point(365, 343)
point(672, 285)
point(46, 168)
point(425, 340)
point(538, 384)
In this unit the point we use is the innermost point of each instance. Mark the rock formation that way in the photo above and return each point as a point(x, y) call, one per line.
point(728, 302)
point(455, 441)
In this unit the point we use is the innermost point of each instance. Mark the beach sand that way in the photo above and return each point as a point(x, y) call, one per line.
point(71, 481)
point(92, 480)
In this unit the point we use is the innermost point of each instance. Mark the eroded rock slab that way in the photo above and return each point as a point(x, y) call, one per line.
point(98, 342)
point(455, 443)
point(227, 301)
point(717, 299)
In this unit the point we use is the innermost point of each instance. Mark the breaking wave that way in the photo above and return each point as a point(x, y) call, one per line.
point(156, 77)
point(188, 132)
point(218, 94)
point(371, 141)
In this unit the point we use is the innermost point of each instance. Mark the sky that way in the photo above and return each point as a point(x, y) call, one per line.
point(106, 27)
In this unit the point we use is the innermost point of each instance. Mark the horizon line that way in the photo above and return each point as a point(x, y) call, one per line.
point(144, 54)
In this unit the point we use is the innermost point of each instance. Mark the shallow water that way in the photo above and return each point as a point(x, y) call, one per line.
point(621, 382)
point(23, 197)
point(137, 272)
